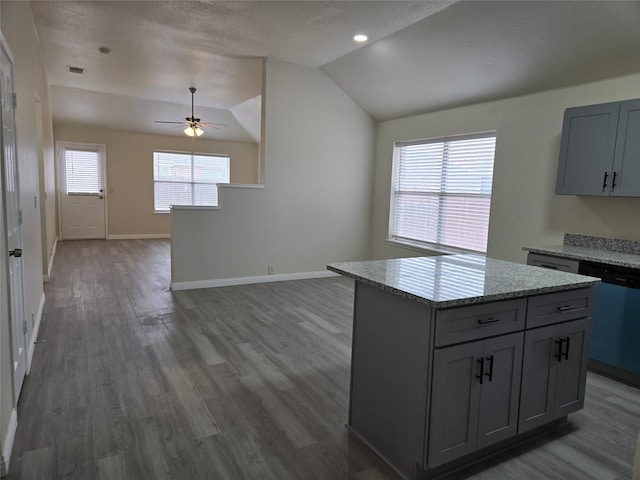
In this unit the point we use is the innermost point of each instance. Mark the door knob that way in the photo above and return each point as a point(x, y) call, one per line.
point(16, 253)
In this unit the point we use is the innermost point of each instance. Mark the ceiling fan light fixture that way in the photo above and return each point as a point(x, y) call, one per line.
point(190, 131)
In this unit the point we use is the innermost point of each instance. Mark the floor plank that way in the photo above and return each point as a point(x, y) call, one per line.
point(134, 381)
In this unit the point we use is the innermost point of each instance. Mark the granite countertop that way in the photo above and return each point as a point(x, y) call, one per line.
point(608, 257)
point(453, 280)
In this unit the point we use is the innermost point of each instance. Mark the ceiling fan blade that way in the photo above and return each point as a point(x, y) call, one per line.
point(193, 123)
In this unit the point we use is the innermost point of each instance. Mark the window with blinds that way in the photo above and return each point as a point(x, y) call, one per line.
point(187, 179)
point(441, 192)
point(82, 171)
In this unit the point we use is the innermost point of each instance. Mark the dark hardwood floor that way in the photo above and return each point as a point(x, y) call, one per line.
point(133, 381)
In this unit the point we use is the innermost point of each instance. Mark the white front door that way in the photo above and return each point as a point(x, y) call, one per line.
point(82, 197)
point(13, 215)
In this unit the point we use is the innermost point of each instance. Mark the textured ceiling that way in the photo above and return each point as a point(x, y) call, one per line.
point(159, 48)
point(478, 51)
point(421, 55)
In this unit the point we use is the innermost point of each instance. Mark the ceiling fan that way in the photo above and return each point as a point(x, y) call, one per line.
point(193, 125)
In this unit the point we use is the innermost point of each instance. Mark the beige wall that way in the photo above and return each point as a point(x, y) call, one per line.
point(524, 209)
point(130, 173)
point(315, 205)
point(47, 172)
point(30, 86)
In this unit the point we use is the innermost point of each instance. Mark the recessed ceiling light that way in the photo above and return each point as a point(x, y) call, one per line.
point(360, 38)
point(79, 70)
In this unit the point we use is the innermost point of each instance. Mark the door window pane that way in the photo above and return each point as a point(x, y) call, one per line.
point(82, 171)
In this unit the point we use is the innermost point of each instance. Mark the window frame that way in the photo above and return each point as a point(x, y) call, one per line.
point(191, 183)
point(422, 245)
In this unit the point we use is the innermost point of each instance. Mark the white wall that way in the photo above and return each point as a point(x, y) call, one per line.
point(524, 209)
point(46, 160)
point(315, 206)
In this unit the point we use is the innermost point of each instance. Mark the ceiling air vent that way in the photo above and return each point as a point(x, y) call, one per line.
point(78, 70)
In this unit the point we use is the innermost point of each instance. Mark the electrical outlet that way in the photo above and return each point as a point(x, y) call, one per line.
point(270, 269)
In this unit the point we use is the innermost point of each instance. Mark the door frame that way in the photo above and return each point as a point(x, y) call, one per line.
point(21, 327)
point(60, 144)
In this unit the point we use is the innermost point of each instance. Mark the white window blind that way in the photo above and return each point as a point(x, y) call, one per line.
point(441, 192)
point(82, 171)
point(187, 179)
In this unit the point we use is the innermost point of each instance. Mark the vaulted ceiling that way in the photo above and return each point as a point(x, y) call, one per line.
point(421, 55)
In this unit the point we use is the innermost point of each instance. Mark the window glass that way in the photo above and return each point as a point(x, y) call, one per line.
point(82, 171)
point(187, 179)
point(441, 192)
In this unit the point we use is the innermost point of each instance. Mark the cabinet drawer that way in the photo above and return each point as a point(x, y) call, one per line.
point(553, 263)
point(462, 324)
point(559, 307)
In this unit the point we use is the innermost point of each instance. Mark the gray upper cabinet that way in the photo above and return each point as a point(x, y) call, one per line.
point(600, 150)
point(626, 161)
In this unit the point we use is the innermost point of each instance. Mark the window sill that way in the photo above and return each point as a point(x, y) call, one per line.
point(433, 249)
point(194, 207)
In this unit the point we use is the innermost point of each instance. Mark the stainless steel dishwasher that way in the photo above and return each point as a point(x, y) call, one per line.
point(615, 335)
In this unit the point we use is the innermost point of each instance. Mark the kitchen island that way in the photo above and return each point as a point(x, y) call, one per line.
point(457, 357)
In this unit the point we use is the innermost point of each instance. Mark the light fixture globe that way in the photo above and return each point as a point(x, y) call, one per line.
point(193, 130)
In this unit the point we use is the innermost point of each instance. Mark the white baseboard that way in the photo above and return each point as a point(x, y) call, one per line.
point(7, 444)
point(227, 282)
point(34, 333)
point(47, 276)
point(141, 236)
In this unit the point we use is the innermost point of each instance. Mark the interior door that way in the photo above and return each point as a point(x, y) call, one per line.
point(13, 219)
point(82, 202)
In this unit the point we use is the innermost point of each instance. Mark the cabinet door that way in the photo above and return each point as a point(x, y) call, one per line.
point(626, 164)
point(554, 372)
point(455, 402)
point(537, 393)
point(572, 367)
point(499, 394)
point(587, 149)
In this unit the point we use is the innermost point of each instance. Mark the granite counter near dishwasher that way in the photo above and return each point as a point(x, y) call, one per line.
point(608, 251)
point(454, 280)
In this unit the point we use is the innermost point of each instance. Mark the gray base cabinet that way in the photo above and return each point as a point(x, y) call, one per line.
point(600, 150)
point(431, 387)
point(475, 396)
point(389, 371)
point(554, 366)
point(553, 263)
